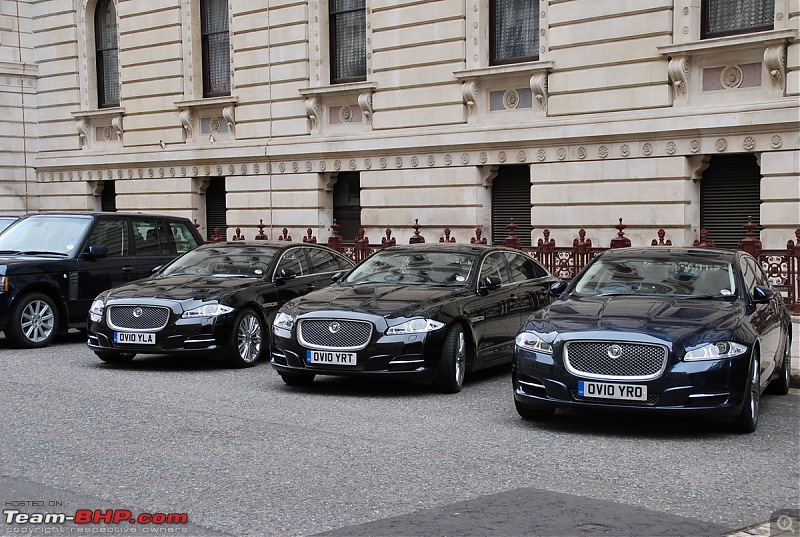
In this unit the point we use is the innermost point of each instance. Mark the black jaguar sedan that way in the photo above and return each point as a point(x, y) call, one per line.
point(674, 330)
point(425, 312)
point(217, 300)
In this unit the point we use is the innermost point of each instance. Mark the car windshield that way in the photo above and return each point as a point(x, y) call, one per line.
point(59, 235)
point(224, 261)
point(414, 268)
point(676, 276)
point(6, 221)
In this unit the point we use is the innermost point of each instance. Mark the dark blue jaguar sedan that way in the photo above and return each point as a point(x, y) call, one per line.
point(693, 331)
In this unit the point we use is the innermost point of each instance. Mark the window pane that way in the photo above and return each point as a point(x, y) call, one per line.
point(725, 17)
point(106, 52)
point(348, 40)
point(216, 48)
point(515, 30)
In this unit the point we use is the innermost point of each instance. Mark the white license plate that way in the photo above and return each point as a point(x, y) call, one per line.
point(331, 358)
point(605, 390)
point(135, 338)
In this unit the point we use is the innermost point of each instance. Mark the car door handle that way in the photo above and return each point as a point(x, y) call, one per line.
point(128, 269)
point(310, 287)
point(514, 296)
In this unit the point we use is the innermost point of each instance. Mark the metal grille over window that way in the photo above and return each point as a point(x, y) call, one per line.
point(106, 52)
point(607, 360)
point(515, 30)
point(726, 17)
point(333, 335)
point(348, 28)
point(216, 48)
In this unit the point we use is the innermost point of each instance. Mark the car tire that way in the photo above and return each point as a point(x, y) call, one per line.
point(297, 379)
point(747, 420)
point(113, 357)
point(780, 385)
point(534, 412)
point(33, 322)
point(247, 340)
point(453, 364)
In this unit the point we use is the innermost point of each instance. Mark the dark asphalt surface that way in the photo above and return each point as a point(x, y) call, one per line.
point(243, 454)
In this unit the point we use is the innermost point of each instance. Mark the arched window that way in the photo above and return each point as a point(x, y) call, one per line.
point(106, 54)
point(216, 48)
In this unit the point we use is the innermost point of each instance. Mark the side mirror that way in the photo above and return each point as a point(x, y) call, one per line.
point(285, 274)
point(338, 276)
point(490, 282)
point(98, 250)
point(156, 270)
point(762, 295)
point(557, 288)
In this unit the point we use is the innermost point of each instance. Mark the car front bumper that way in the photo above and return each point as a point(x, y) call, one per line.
point(703, 388)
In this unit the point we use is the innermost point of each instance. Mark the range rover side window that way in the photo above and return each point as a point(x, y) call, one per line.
point(113, 234)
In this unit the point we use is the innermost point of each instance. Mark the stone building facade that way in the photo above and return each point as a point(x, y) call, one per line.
point(642, 110)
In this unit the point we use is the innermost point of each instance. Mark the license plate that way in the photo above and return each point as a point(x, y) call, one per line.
point(605, 390)
point(135, 338)
point(331, 357)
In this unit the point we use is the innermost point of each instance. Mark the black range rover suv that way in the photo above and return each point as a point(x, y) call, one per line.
point(53, 265)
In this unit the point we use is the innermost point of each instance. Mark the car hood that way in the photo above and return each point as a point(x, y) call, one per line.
point(180, 288)
point(25, 264)
point(378, 299)
point(663, 318)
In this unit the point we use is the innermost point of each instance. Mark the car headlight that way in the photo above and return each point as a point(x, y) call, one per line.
point(283, 321)
point(715, 351)
point(96, 311)
point(415, 326)
point(207, 310)
point(532, 342)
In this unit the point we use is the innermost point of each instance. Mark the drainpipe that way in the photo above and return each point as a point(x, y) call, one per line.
point(22, 102)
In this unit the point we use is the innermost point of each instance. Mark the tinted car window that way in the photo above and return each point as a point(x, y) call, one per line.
point(524, 268)
point(113, 234)
point(495, 265)
point(324, 261)
point(294, 260)
point(145, 235)
point(184, 240)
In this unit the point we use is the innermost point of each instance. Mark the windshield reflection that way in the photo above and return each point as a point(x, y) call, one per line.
point(426, 268)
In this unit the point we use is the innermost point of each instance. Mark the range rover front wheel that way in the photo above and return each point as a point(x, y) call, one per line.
point(33, 322)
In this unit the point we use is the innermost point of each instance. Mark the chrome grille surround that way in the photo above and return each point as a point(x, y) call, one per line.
point(636, 361)
point(333, 334)
point(152, 318)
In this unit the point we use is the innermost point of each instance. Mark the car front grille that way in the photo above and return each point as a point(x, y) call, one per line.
point(137, 317)
point(331, 334)
point(609, 360)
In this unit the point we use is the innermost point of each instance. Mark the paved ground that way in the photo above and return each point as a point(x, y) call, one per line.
point(243, 454)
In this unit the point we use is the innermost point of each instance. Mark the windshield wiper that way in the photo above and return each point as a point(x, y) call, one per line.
point(10, 252)
point(707, 297)
point(43, 252)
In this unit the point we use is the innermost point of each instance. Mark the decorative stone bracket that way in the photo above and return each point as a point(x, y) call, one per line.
point(108, 118)
point(345, 95)
point(683, 57)
point(476, 83)
point(192, 111)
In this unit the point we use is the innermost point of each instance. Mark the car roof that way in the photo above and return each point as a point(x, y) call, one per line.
point(445, 246)
point(100, 214)
point(669, 251)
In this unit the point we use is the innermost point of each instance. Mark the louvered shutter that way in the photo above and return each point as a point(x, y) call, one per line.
point(216, 208)
point(511, 198)
point(729, 193)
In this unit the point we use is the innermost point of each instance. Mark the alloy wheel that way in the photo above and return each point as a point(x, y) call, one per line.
point(38, 321)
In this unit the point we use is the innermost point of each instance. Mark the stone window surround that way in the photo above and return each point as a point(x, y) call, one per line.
point(87, 56)
point(773, 42)
point(192, 50)
point(319, 45)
